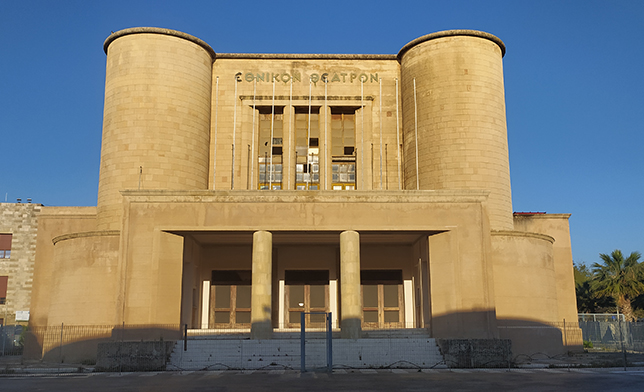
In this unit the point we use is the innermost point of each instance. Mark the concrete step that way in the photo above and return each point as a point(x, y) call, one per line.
point(401, 333)
point(213, 354)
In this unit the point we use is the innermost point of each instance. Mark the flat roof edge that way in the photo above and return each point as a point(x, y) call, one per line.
point(452, 33)
point(309, 56)
point(158, 30)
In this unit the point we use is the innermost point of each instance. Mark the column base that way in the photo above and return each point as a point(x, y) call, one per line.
point(350, 329)
point(261, 330)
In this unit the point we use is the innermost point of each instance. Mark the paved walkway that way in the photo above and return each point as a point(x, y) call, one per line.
point(340, 380)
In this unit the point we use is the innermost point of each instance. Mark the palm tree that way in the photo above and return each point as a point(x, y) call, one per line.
point(619, 278)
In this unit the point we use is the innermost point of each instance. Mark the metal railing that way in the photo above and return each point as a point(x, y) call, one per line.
point(11, 339)
point(600, 317)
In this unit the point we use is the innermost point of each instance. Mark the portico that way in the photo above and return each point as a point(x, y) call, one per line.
point(259, 266)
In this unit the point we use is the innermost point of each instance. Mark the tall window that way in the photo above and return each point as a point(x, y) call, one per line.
point(307, 148)
point(269, 160)
point(5, 246)
point(343, 142)
point(3, 289)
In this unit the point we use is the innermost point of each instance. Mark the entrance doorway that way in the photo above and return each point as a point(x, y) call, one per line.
point(230, 296)
point(306, 291)
point(382, 299)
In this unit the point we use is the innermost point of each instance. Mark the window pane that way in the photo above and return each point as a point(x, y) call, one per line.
point(391, 296)
point(222, 317)
point(318, 319)
point(391, 316)
point(243, 297)
point(222, 296)
point(296, 296)
point(317, 297)
point(242, 317)
point(370, 296)
point(294, 317)
point(370, 316)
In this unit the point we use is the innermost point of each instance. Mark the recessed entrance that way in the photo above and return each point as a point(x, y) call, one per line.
point(306, 291)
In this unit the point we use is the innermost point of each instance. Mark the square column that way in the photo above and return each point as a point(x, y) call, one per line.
point(350, 319)
point(260, 310)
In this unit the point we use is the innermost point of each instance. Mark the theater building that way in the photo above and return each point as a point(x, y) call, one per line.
point(238, 190)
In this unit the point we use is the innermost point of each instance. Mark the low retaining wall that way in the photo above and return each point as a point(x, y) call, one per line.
point(133, 356)
point(476, 353)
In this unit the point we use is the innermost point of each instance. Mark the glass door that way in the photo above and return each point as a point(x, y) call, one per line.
point(230, 297)
point(382, 299)
point(306, 291)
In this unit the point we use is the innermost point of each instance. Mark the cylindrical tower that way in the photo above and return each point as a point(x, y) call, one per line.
point(156, 122)
point(453, 99)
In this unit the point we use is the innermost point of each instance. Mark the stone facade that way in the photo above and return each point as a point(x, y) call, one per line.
point(21, 221)
point(238, 190)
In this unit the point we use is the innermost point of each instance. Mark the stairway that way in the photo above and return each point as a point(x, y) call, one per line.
point(408, 348)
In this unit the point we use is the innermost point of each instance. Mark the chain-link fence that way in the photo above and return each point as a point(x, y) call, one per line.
point(610, 335)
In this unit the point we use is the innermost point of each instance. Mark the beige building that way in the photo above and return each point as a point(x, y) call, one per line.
point(18, 230)
point(238, 190)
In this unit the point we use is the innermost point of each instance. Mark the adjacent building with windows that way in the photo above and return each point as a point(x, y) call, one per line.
point(238, 190)
point(18, 230)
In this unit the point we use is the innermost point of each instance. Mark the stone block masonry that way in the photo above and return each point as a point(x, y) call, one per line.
point(21, 221)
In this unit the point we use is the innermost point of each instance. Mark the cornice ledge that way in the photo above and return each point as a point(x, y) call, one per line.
point(84, 234)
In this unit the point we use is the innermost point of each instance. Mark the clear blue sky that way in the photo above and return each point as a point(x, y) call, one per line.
point(573, 76)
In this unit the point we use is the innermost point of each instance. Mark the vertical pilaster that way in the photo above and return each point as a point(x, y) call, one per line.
point(350, 285)
point(260, 311)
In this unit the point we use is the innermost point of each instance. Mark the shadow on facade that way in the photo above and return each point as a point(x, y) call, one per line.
point(467, 339)
point(534, 339)
point(79, 343)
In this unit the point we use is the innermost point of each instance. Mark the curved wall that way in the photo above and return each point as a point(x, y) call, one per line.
point(85, 280)
point(525, 286)
point(460, 109)
point(156, 118)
